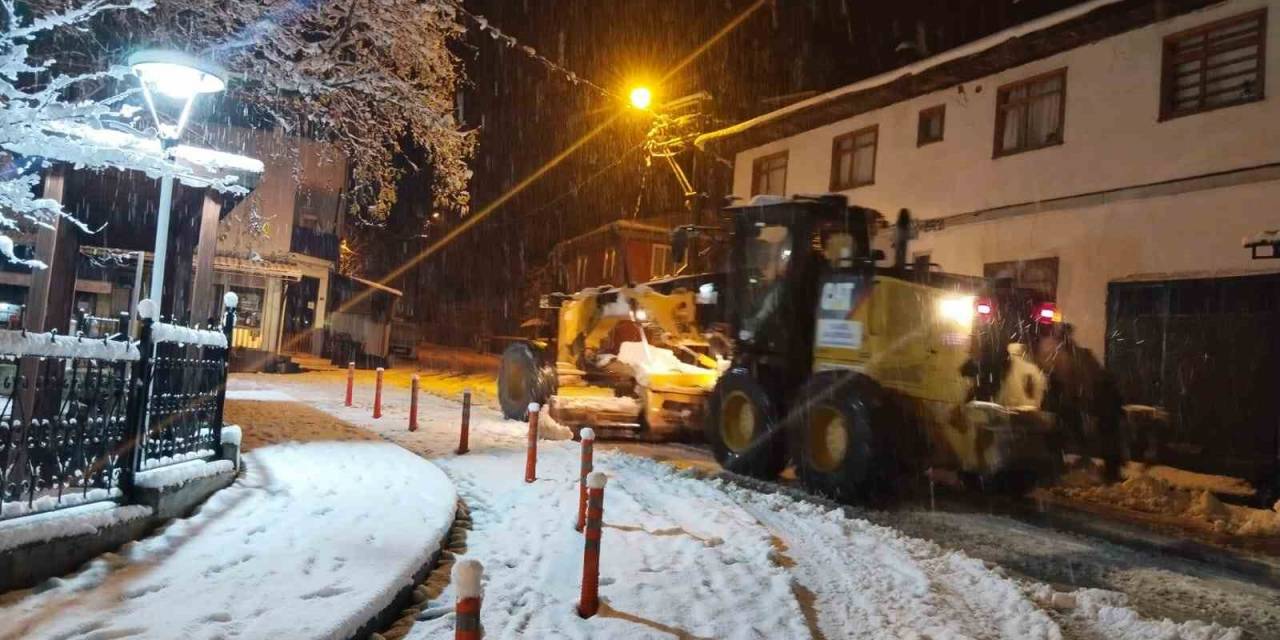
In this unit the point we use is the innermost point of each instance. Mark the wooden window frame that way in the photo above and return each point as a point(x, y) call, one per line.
point(758, 164)
point(654, 249)
point(1001, 108)
point(921, 140)
point(1168, 62)
point(835, 183)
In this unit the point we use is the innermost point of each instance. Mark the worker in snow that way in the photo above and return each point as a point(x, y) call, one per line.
point(1082, 395)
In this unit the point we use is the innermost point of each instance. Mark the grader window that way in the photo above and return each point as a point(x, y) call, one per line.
point(768, 255)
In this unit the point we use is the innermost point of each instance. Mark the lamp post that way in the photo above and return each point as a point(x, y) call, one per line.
point(176, 76)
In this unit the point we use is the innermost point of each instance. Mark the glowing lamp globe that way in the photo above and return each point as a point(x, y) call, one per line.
point(641, 97)
point(175, 74)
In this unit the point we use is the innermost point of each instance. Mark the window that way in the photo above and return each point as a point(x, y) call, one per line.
point(316, 208)
point(660, 261)
point(1216, 65)
point(579, 272)
point(769, 175)
point(610, 257)
point(930, 127)
point(1030, 113)
point(853, 159)
point(1040, 274)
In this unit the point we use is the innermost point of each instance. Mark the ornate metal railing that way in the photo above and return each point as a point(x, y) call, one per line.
point(186, 371)
point(64, 434)
point(80, 416)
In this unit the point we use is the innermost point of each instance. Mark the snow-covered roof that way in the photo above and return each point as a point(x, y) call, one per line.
point(894, 75)
point(84, 145)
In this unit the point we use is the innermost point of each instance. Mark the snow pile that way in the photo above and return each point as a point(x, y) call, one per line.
point(182, 473)
point(50, 345)
point(309, 542)
point(70, 498)
point(81, 520)
point(647, 360)
point(1195, 508)
point(163, 461)
point(231, 434)
point(549, 429)
point(1106, 614)
point(164, 332)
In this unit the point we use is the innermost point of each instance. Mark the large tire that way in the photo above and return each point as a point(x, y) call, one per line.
point(742, 427)
point(521, 380)
point(842, 442)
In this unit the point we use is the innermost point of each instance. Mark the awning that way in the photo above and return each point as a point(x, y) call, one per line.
point(266, 268)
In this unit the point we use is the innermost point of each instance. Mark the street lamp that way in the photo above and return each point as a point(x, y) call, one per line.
point(641, 98)
point(178, 76)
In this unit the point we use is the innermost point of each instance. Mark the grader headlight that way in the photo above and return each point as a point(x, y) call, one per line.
point(957, 309)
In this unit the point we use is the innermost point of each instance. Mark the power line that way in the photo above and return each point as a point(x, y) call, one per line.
point(483, 24)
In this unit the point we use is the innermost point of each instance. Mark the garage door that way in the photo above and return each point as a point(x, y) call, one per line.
point(1208, 351)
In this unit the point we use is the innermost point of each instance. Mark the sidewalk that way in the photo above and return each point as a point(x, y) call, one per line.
point(311, 541)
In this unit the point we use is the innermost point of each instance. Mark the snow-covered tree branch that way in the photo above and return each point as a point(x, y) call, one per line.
point(36, 100)
point(375, 78)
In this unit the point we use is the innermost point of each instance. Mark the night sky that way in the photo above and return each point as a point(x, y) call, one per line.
point(526, 114)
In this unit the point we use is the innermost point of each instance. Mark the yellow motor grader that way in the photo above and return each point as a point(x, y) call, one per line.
point(859, 373)
point(630, 362)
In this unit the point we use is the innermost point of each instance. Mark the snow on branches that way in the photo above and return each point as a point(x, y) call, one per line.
point(34, 95)
point(375, 78)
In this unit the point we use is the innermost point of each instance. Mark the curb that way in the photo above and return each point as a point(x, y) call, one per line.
point(395, 612)
point(396, 620)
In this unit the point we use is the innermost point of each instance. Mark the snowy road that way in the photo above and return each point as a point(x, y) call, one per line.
point(687, 557)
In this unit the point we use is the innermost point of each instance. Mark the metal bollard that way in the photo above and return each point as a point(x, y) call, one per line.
point(589, 603)
point(466, 578)
point(351, 381)
point(588, 436)
point(413, 403)
point(377, 396)
point(531, 452)
point(465, 433)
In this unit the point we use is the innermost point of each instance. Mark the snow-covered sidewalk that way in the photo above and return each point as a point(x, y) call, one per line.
point(311, 541)
point(687, 557)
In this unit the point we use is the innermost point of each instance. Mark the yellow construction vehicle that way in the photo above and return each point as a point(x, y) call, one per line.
point(858, 372)
point(628, 361)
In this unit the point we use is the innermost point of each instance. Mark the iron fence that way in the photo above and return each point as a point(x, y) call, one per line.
point(80, 416)
point(64, 432)
point(187, 374)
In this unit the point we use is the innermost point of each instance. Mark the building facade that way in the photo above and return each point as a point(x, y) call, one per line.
point(278, 248)
point(1145, 154)
point(1118, 156)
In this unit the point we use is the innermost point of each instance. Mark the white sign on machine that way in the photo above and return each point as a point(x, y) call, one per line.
point(844, 334)
point(834, 330)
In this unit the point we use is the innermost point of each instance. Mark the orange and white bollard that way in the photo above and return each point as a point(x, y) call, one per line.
point(465, 433)
point(531, 452)
point(351, 382)
point(589, 603)
point(466, 578)
point(413, 403)
point(588, 436)
point(377, 395)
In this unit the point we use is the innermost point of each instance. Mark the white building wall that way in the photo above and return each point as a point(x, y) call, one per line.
point(1113, 139)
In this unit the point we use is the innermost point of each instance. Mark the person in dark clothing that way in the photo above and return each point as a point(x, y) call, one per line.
point(1083, 395)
